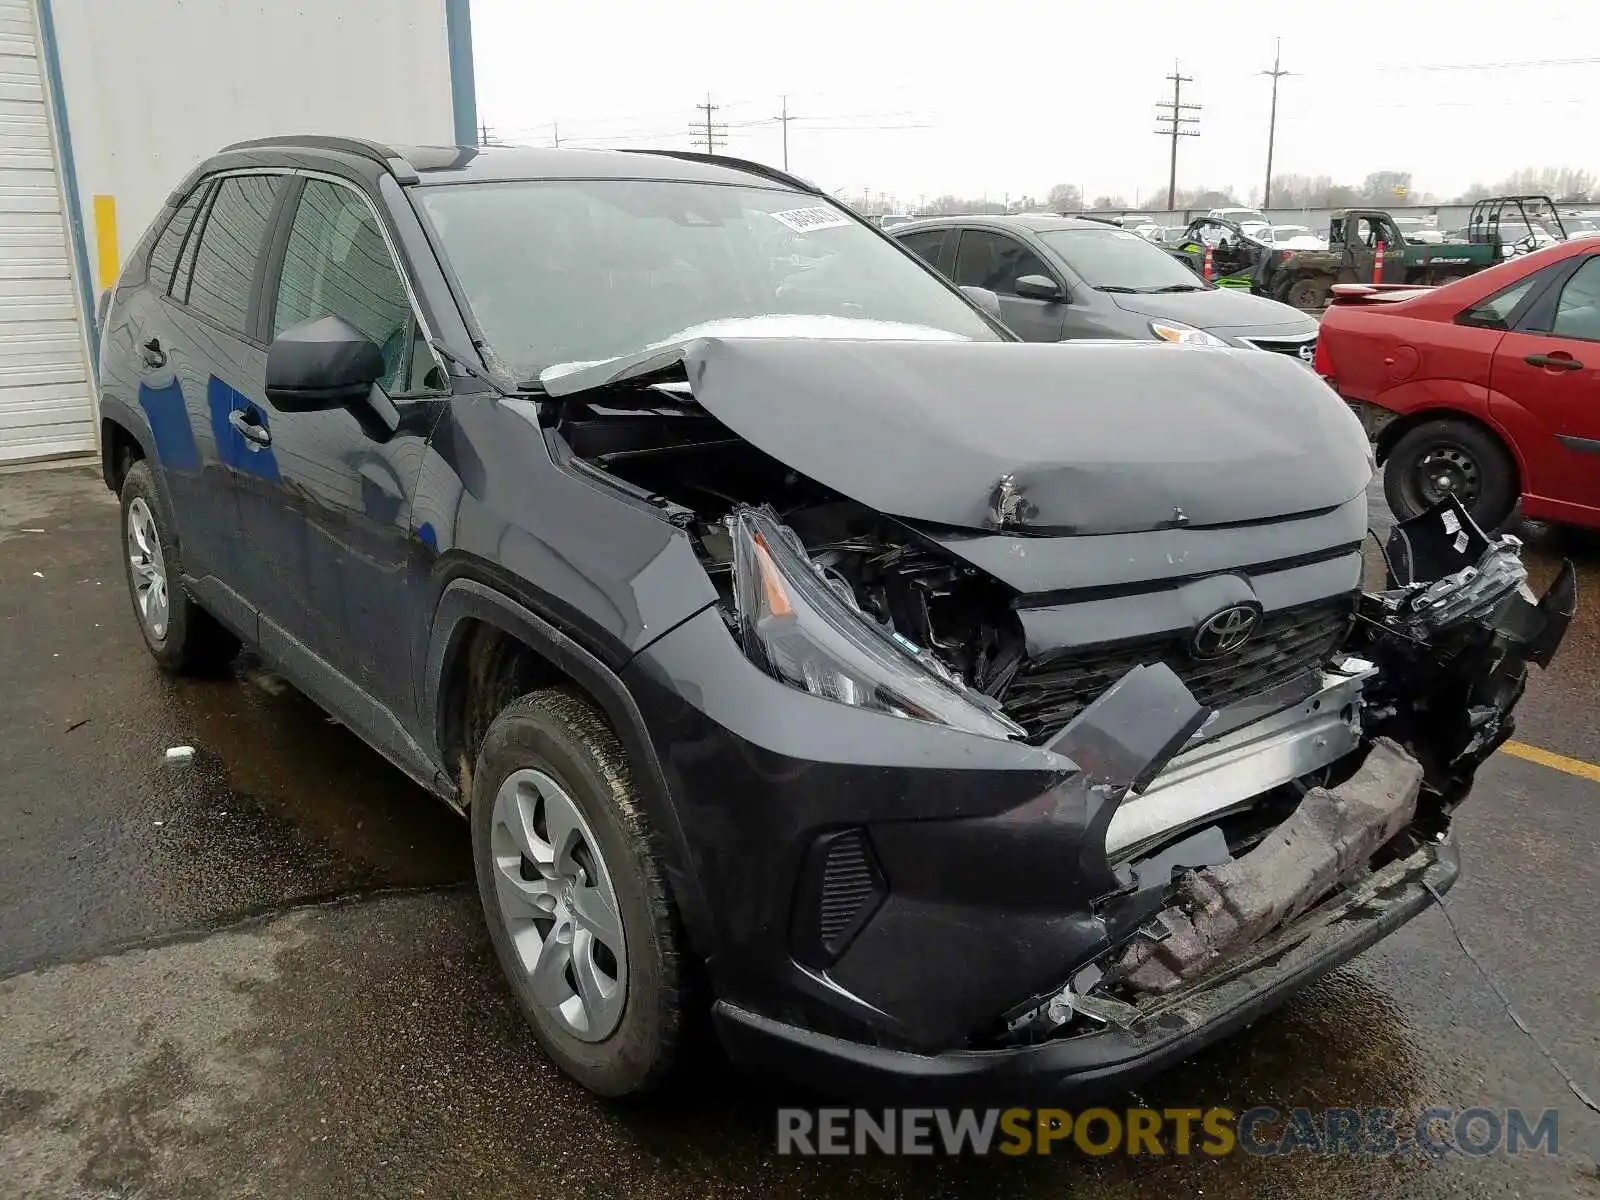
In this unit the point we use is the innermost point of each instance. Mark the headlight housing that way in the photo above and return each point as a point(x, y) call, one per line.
point(1184, 335)
point(807, 631)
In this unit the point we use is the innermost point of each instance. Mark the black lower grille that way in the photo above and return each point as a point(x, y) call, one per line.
point(849, 884)
point(1048, 692)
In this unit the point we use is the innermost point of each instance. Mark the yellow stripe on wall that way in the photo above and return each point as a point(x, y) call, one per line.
point(105, 238)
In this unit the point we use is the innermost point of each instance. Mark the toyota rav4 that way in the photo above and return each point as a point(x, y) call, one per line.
point(932, 711)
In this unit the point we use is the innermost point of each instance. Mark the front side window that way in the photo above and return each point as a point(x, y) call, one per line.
point(1578, 309)
point(164, 254)
point(582, 270)
point(230, 249)
point(337, 264)
point(995, 261)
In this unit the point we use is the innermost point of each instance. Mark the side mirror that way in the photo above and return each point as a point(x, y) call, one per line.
point(322, 364)
point(1038, 287)
point(984, 299)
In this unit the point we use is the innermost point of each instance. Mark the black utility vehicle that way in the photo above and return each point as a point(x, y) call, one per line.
point(933, 711)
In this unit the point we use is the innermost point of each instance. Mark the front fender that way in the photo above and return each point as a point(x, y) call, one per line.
point(468, 599)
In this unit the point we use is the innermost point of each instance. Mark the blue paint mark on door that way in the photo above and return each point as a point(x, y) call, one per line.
point(169, 426)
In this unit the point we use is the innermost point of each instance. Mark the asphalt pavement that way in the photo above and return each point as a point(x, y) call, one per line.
point(262, 972)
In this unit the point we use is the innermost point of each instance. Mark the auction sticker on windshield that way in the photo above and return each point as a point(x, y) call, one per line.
point(804, 220)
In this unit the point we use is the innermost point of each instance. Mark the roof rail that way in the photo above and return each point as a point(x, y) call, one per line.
point(737, 164)
point(385, 156)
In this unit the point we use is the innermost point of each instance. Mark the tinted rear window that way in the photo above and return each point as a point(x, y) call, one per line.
point(164, 254)
point(230, 246)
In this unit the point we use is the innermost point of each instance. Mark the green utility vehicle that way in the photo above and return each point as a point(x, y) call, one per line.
point(1497, 228)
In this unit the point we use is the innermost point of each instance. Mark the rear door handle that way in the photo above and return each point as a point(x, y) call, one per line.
point(257, 436)
point(153, 354)
point(1557, 362)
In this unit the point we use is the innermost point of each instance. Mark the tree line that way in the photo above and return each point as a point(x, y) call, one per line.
point(1565, 185)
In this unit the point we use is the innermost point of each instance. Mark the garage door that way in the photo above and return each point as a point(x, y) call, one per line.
point(44, 380)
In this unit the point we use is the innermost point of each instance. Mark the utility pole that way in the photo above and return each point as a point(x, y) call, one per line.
point(555, 133)
point(1173, 126)
point(1277, 73)
point(784, 118)
point(711, 135)
point(483, 134)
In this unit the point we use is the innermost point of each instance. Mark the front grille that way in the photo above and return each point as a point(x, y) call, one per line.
point(1289, 346)
point(1048, 692)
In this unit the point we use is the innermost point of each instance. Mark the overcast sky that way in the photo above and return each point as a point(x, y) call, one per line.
point(922, 99)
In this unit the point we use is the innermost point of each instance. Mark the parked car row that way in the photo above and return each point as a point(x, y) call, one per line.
point(924, 710)
point(1058, 278)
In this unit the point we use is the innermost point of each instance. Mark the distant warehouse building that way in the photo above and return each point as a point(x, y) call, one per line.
point(106, 104)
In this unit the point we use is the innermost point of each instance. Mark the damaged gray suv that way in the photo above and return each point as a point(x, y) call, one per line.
point(937, 714)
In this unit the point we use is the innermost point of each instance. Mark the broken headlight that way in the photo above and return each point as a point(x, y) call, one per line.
point(806, 629)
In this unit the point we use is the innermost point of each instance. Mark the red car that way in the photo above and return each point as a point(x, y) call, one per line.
point(1488, 387)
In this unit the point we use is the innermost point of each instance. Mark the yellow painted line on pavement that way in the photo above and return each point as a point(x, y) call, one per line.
point(1548, 758)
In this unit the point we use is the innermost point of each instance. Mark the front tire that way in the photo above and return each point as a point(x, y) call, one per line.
point(182, 637)
point(575, 894)
point(1450, 456)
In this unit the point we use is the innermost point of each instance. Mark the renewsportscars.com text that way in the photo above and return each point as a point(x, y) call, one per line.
point(1262, 1130)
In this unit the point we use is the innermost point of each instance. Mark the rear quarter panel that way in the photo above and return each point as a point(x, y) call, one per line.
point(1379, 352)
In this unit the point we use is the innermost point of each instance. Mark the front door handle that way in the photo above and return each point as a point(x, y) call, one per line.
point(257, 436)
point(152, 353)
point(1559, 361)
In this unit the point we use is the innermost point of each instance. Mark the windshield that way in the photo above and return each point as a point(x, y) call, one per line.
point(558, 271)
point(1114, 260)
point(1282, 233)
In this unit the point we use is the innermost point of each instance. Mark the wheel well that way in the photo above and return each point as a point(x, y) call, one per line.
point(485, 670)
point(119, 450)
point(1400, 426)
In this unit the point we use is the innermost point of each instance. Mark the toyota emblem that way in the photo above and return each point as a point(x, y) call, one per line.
point(1224, 632)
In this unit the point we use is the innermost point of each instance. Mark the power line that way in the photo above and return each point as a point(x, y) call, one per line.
point(1174, 126)
point(785, 119)
point(1277, 73)
point(711, 135)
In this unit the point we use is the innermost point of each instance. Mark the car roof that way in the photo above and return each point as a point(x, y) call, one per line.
point(485, 164)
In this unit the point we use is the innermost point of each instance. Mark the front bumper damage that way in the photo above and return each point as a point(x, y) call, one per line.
point(911, 912)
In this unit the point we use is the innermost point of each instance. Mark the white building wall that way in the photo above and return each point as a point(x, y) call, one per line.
point(154, 86)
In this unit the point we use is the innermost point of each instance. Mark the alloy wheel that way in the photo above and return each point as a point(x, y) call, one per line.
point(148, 567)
point(558, 904)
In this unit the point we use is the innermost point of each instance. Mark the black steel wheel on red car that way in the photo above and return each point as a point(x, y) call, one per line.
point(1451, 457)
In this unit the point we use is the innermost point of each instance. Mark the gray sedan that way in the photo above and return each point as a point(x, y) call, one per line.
point(1060, 278)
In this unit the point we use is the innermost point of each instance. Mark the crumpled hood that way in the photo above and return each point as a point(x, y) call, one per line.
point(1220, 309)
point(1049, 438)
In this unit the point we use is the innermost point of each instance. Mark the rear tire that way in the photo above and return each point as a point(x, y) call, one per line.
point(1309, 292)
point(575, 896)
point(182, 637)
point(1439, 457)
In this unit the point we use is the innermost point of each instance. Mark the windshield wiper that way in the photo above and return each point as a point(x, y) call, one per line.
point(1111, 287)
point(1172, 287)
